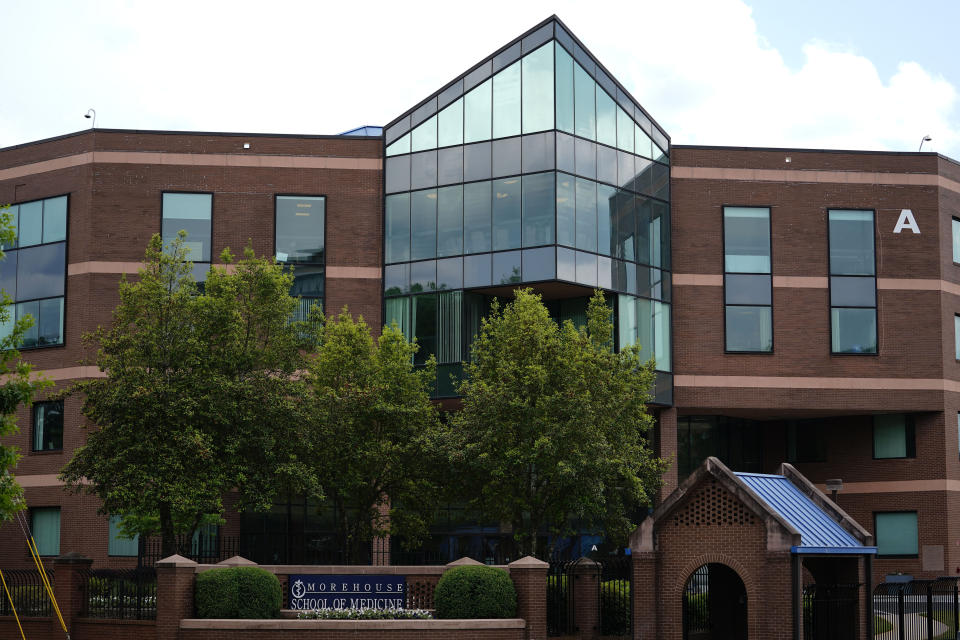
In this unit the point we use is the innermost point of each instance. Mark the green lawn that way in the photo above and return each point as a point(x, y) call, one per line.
point(881, 625)
point(946, 617)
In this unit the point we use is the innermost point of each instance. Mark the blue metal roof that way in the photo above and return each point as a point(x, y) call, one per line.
point(819, 533)
point(367, 130)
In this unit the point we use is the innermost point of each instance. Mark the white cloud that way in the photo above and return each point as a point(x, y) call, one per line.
point(699, 66)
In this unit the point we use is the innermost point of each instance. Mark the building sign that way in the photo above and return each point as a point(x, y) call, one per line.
point(308, 592)
point(906, 221)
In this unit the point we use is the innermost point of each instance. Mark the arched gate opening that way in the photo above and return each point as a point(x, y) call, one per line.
point(714, 604)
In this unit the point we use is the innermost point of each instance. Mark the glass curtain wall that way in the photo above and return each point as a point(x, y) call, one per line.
point(533, 167)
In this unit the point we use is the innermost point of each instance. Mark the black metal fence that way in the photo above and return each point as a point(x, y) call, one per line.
point(560, 598)
point(616, 603)
point(29, 595)
point(830, 611)
point(124, 594)
point(917, 609)
point(204, 548)
point(696, 603)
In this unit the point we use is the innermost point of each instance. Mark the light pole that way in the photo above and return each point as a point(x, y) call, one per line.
point(925, 139)
point(93, 117)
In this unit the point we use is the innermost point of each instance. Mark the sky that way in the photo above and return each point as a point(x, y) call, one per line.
point(842, 74)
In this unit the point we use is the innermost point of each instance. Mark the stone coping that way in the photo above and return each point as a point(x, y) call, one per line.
point(356, 570)
point(356, 625)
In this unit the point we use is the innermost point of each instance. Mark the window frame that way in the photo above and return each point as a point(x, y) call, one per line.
point(896, 555)
point(213, 204)
point(326, 228)
point(831, 275)
point(953, 250)
point(909, 433)
point(723, 266)
point(66, 263)
point(33, 425)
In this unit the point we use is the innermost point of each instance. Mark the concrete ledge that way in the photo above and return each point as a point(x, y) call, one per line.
point(358, 570)
point(357, 625)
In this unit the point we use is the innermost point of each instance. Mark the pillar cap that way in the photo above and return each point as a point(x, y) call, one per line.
point(176, 561)
point(73, 558)
point(585, 562)
point(528, 562)
point(236, 561)
point(464, 561)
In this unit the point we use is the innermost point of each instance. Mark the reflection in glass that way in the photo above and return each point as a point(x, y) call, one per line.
point(184, 211)
point(749, 329)
point(604, 272)
point(397, 312)
point(606, 164)
point(506, 157)
point(425, 135)
point(606, 119)
point(586, 215)
point(396, 279)
point(450, 221)
point(538, 90)
point(625, 135)
point(423, 224)
point(506, 267)
point(30, 336)
point(55, 219)
point(538, 213)
point(564, 90)
point(539, 264)
point(586, 158)
point(30, 231)
point(476, 271)
point(397, 173)
point(8, 274)
point(506, 214)
point(587, 269)
point(450, 125)
point(476, 217)
point(565, 153)
point(423, 276)
point(506, 102)
point(398, 228)
point(566, 264)
point(450, 273)
point(566, 210)
point(50, 322)
point(450, 325)
point(585, 111)
point(853, 291)
point(40, 271)
point(606, 218)
point(641, 142)
point(477, 113)
point(423, 170)
point(746, 239)
point(300, 229)
point(625, 169)
point(537, 152)
point(752, 290)
point(400, 146)
point(851, 243)
point(853, 330)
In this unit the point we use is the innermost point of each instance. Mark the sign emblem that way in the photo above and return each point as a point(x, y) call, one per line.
point(906, 221)
point(298, 590)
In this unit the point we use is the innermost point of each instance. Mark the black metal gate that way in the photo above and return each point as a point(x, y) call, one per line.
point(714, 604)
point(560, 598)
point(917, 609)
point(830, 611)
point(616, 601)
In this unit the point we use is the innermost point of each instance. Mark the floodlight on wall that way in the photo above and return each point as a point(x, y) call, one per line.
point(834, 486)
point(92, 115)
point(925, 139)
point(246, 145)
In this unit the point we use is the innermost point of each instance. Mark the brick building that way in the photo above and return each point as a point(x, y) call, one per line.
point(796, 313)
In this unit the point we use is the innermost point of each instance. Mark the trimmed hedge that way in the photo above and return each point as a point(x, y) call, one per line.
point(238, 592)
point(475, 592)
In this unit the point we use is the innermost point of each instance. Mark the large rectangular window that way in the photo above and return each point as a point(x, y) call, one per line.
point(853, 282)
point(893, 436)
point(190, 212)
point(48, 426)
point(896, 533)
point(119, 545)
point(955, 232)
point(45, 526)
point(748, 286)
point(806, 441)
point(33, 272)
point(300, 245)
point(956, 336)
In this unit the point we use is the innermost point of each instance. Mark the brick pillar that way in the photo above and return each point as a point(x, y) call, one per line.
point(68, 577)
point(529, 577)
point(645, 587)
point(175, 579)
point(586, 598)
point(666, 443)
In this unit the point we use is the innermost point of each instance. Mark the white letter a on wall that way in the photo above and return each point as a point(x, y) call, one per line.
point(906, 221)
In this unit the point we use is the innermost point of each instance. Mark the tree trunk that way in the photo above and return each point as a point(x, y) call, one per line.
point(168, 538)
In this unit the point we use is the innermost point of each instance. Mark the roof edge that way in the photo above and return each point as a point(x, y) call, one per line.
point(725, 147)
point(825, 504)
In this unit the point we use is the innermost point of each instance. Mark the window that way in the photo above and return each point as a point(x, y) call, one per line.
point(190, 212)
point(955, 232)
point(300, 245)
point(748, 286)
point(896, 533)
point(893, 436)
point(119, 545)
point(956, 336)
point(48, 426)
point(806, 441)
point(33, 272)
point(853, 282)
point(45, 526)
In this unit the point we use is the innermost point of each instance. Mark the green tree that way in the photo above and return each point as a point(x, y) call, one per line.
point(198, 395)
point(554, 424)
point(373, 434)
point(18, 387)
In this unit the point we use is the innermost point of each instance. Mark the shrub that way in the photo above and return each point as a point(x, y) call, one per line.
point(238, 592)
point(475, 592)
point(615, 607)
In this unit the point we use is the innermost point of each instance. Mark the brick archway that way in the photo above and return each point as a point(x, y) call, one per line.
point(749, 581)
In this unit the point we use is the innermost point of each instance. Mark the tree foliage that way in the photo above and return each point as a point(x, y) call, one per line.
point(18, 387)
point(373, 435)
point(198, 394)
point(553, 430)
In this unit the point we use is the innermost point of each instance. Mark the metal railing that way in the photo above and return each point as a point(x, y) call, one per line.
point(29, 595)
point(204, 548)
point(917, 609)
point(123, 594)
point(560, 598)
point(696, 603)
point(830, 611)
point(616, 603)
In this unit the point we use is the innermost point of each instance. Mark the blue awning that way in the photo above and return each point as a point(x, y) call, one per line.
point(819, 532)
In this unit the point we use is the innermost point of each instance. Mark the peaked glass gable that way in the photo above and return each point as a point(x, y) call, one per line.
point(534, 166)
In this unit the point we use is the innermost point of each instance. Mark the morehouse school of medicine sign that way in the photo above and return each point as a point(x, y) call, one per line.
point(308, 592)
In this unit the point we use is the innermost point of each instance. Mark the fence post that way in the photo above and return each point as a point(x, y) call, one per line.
point(930, 609)
point(529, 577)
point(586, 597)
point(175, 579)
point(900, 613)
point(69, 573)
